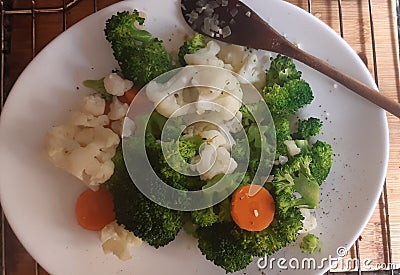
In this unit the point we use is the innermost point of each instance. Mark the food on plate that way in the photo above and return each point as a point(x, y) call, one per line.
point(95, 209)
point(263, 214)
point(310, 243)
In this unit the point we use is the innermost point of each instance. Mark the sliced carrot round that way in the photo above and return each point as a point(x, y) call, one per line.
point(252, 207)
point(95, 209)
point(129, 95)
point(107, 107)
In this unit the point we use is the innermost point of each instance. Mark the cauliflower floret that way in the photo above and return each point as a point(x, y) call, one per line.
point(78, 118)
point(60, 141)
point(233, 55)
point(252, 71)
point(216, 161)
point(168, 97)
point(214, 155)
point(245, 62)
point(309, 222)
point(235, 124)
point(117, 109)
point(83, 152)
point(128, 128)
point(93, 104)
point(116, 85)
point(205, 56)
point(292, 147)
point(117, 240)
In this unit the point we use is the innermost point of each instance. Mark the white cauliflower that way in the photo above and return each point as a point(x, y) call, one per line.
point(292, 147)
point(245, 62)
point(78, 118)
point(117, 109)
point(83, 152)
point(168, 97)
point(214, 161)
point(309, 222)
point(205, 56)
point(252, 71)
point(93, 104)
point(116, 85)
point(214, 155)
point(117, 240)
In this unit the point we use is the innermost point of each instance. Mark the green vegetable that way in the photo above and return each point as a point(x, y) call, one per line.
point(140, 56)
point(149, 221)
point(282, 133)
point(322, 158)
point(310, 244)
point(282, 69)
point(295, 177)
point(220, 246)
point(98, 87)
point(308, 128)
point(289, 98)
point(192, 45)
point(214, 214)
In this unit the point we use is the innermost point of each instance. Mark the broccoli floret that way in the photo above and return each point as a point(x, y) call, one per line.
point(120, 28)
point(217, 213)
point(282, 69)
point(149, 221)
point(282, 132)
point(322, 158)
point(167, 166)
point(220, 246)
point(204, 217)
point(310, 244)
point(98, 87)
point(308, 128)
point(192, 45)
point(276, 236)
point(295, 177)
point(140, 56)
point(289, 98)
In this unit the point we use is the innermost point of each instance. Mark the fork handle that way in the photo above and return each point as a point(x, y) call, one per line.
point(353, 84)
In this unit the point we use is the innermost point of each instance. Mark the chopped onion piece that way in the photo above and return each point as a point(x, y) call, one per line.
point(234, 12)
point(226, 31)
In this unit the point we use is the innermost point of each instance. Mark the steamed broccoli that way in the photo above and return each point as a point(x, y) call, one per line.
point(282, 69)
point(289, 98)
point(310, 244)
point(192, 45)
point(149, 221)
point(282, 133)
point(217, 213)
point(188, 148)
point(308, 128)
point(295, 177)
point(277, 235)
point(322, 155)
point(220, 246)
point(140, 56)
point(233, 248)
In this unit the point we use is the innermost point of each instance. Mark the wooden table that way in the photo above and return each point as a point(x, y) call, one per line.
point(368, 26)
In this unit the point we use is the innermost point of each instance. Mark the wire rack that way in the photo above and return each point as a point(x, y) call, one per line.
point(31, 13)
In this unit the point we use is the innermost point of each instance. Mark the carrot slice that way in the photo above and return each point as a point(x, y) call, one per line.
point(129, 95)
point(252, 207)
point(95, 209)
point(107, 107)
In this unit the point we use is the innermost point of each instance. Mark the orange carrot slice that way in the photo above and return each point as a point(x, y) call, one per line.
point(95, 209)
point(129, 95)
point(252, 207)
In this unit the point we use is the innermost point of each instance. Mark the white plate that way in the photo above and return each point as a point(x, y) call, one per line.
point(38, 199)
